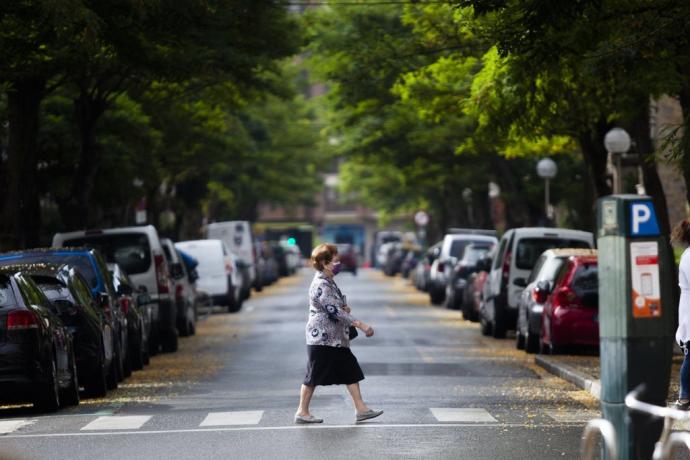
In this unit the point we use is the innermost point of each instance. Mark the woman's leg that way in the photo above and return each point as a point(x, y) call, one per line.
point(305, 395)
point(356, 395)
point(685, 377)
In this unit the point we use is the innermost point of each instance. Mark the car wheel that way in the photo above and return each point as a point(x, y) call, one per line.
point(531, 342)
point(113, 373)
point(519, 341)
point(136, 352)
point(70, 395)
point(499, 328)
point(97, 385)
point(436, 295)
point(485, 326)
point(48, 394)
point(170, 342)
point(467, 310)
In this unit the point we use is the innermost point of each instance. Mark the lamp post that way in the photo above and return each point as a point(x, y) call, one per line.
point(547, 170)
point(617, 143)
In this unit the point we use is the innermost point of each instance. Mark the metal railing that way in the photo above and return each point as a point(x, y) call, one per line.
point(599, 426)
point(666, 447)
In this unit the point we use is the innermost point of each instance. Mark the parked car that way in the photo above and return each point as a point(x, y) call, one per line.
point(461, 271)
point(518, 251)
point(268, 262)
point(139, 252)
point(138, 317)
point(571, 311)
point(452, 249)
point(92, 333)
point(348, 258)
point(237, 236)
point(410, 262)
point(385, 251)
point(421, 274)
point(473, 294)
point(280, 257)
point(539, 283)
point(37, 359)
point(184, 289)
point(92, 267)
point(394, 259)
point(219, 276)
point(293, 257)
point(382, 237)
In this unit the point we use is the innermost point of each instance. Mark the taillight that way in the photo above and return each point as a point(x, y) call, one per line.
point(565, 297)
point(124, 302)
point(161, 274)
point(21, 320)
point(179, 291)
point(506, 266)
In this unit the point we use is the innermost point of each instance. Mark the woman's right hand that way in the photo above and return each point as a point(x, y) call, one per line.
point(369, 331)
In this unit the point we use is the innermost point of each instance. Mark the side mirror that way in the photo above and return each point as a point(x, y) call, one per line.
point(542, 291)
point(520, 282)
point(176, 270)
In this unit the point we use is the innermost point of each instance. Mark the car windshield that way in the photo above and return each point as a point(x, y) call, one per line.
point(529, 249)
point(6, 295)
point(52, 288)
point(81, 262)
point(130, 250)
point(550, 269)
point(457, 247)
point(585, 285)
point(210, 257)
point(474, 253)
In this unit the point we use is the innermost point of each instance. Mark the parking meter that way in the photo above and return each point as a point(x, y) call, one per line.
point(636, 317)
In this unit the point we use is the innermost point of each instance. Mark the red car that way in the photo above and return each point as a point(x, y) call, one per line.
point(571, 311)
point(348, 258)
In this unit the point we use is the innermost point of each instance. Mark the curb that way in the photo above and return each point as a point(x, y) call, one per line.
point(570, 374)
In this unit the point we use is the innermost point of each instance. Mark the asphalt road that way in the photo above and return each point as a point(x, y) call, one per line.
point(232, 390)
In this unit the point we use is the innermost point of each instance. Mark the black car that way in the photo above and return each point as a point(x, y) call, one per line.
point(92, 267)
point(79, 311)
point(138, 319)
point(37, 360)
point(463, 268)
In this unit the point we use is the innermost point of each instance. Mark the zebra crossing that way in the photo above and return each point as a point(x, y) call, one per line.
point(100, 424)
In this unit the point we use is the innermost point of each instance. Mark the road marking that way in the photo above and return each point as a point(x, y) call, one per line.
point(233, 418)
point(119, 422)
point(9, 426)
point(360, 426)
point(574, 415)
point(462, 415)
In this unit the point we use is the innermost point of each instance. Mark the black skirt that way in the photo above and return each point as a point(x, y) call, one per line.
point(331, 366)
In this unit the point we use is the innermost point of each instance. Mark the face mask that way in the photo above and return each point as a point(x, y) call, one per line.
point(336, 268)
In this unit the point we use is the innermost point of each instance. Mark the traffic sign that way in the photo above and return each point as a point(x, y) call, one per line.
point(643, 219)
point(421, 218)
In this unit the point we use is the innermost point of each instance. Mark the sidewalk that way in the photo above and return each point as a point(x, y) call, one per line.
point(583, 371)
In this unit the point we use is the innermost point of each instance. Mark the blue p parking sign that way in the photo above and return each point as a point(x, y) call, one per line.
point(643, 219)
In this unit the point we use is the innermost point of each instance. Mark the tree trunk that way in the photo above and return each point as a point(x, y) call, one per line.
point(595, 155)
point(512, 191)
point(88, 111)
point(21, 213)
point(684, 96)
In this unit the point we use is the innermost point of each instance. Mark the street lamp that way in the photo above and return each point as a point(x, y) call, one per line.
point(617, 143)
point(547, 170)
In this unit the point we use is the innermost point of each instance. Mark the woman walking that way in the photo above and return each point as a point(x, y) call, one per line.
point(681, 235)
point(328, 339)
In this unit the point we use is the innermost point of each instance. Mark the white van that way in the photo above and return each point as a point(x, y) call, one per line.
point(237, 236)
point(219, 276)
point(139, 252)
point(517, 254)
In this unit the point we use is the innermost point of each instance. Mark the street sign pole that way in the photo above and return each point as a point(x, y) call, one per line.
point(635, 317)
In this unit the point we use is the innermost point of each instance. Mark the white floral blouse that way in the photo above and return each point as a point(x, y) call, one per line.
point(328, 323)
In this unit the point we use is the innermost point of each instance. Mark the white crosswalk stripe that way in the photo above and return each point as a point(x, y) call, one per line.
point(10, 426)
point(233, 418)
point(117, 422)
point(462, 415)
